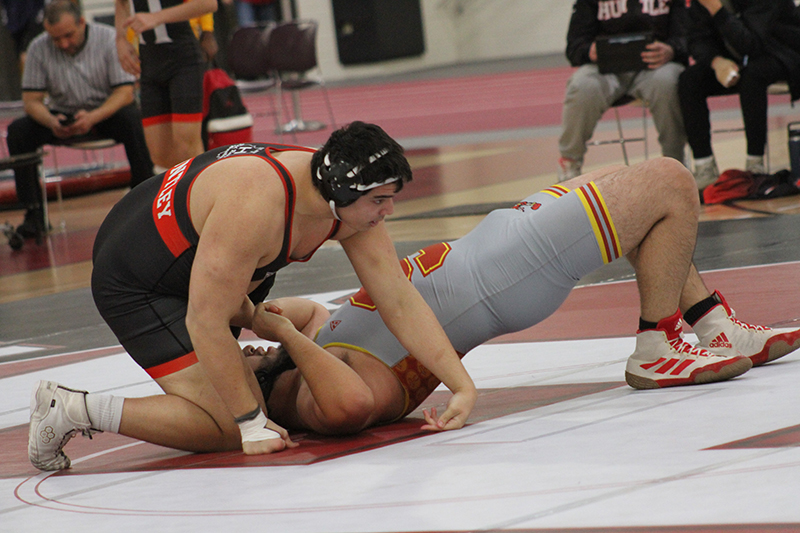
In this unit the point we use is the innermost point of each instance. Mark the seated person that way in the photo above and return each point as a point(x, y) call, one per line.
point(75, 64)
point(357, 374)
point(738, 47)
point(589, 93)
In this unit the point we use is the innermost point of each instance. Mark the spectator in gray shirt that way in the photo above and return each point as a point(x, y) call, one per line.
point(73, 87)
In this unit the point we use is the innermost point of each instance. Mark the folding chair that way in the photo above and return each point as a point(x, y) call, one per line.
point(621, 139)
point(292, 52)
point(93, 160)
point(249, 62)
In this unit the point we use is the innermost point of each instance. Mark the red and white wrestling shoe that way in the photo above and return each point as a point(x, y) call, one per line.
point(719, 331)
point(663, 359)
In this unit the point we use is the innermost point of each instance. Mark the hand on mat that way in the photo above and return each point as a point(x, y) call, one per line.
point(261, 447)
point(455, 416)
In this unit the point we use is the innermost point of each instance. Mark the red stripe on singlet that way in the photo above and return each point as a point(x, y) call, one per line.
point(607, 224)
point(170, 367)
point(164, 210)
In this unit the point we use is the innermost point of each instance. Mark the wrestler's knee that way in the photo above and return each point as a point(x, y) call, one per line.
point(673, 181)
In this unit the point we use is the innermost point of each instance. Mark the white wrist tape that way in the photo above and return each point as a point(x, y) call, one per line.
point(256, 429)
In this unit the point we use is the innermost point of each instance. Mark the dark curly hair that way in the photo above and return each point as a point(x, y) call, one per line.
point(362, 147)
point(267, 375)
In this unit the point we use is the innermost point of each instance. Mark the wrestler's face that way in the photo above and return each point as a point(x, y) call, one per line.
point(369, 210)
point(68, 34)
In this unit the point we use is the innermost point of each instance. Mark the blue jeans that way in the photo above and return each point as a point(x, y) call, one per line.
point(253, 14)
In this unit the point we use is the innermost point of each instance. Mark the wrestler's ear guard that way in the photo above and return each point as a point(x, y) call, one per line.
point(342, 183)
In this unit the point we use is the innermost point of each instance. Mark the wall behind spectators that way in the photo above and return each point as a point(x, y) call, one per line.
point(455, 31)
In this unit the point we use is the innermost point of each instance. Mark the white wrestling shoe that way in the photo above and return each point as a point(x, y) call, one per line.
point(720, 332)
point(57, 414)
point(663, 359)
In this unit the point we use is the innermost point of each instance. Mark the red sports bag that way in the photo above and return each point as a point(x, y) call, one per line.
point(225, 118)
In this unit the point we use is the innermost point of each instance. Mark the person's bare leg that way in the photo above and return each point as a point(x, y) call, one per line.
point(186, 141)
point(159, 140)
point(189, 416)
point(654, 206)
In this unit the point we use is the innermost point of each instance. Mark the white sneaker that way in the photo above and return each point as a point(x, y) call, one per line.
point(755, 164)
point(705, 172)
point(57, 414)
point(719, 331)
point(568, 168)
point(663, 359)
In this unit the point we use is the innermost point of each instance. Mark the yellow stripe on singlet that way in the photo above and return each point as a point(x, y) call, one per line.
point(600, 218)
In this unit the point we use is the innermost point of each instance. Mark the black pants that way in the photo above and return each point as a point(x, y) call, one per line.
point(25, 135)
point(698, 82)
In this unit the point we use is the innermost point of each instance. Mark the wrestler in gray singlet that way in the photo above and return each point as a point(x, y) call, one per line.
point(510, 272)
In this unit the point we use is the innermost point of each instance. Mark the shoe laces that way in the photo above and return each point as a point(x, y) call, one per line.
point(681, 346)
point(88, 432)
point(745, 325)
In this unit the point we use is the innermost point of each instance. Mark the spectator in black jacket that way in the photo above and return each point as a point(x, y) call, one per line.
point(589, 94)
point(739, 46)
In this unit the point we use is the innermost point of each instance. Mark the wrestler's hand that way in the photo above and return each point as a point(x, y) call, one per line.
point(269, 324)
point(128, 58)
point(261, 436)
point(455, 416)
point(657, 54)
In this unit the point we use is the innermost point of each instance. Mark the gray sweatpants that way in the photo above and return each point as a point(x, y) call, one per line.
point(589, 94)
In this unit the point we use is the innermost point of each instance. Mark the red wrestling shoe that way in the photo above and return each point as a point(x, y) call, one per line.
point(663, 359)
point(720, 332)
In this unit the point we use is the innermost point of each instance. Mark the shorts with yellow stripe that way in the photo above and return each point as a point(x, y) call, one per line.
point(522, 263)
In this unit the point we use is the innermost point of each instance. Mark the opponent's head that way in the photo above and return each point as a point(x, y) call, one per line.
point(356, 159)
point(270, 368)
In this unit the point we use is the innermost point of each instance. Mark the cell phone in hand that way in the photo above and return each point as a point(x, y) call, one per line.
point(67, 120)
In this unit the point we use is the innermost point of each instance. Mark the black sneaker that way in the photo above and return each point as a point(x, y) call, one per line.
point(33, 227)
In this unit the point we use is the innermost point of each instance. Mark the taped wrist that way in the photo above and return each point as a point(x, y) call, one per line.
point(253, 427)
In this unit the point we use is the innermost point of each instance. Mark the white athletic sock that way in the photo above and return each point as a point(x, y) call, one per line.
point(105, 411)
point(703, 161)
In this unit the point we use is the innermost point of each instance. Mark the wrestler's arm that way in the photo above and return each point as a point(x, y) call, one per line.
point(306, 315)
point(238, 229)
point(333, 398)
point(409, 318)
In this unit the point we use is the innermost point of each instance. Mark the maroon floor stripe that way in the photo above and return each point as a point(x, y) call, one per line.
point(492, 403)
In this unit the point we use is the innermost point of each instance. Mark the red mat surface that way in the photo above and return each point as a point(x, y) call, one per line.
point(492, 403)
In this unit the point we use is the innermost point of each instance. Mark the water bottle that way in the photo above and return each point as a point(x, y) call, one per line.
point(794, 151)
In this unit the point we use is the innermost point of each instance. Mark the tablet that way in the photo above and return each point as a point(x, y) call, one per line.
point(623, 52)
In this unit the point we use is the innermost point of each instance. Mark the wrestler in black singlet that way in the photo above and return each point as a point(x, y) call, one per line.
point(143, 261)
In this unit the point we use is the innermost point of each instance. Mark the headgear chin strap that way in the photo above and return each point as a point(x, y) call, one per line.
point(341, 184)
